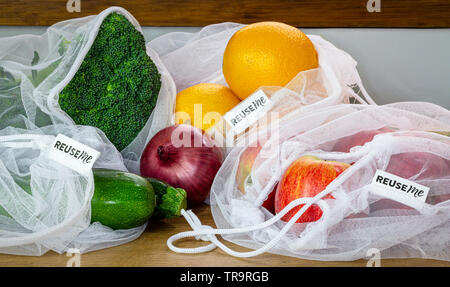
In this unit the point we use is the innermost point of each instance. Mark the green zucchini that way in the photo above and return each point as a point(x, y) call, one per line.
point(121, 200)
point(124, 200)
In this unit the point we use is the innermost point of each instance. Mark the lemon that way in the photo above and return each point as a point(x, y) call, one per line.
point(203, 105)
point(266, 54)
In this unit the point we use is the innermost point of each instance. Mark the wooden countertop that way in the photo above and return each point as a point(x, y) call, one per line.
point(151, 250)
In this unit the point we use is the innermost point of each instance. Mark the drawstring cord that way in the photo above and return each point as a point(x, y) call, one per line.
point(26, 141)
point(207, 233)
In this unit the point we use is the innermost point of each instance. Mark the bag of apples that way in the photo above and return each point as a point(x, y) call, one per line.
point(336, 184)
point(232, 76)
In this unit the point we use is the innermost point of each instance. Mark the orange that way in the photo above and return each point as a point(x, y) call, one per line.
point(266, 54)
point(203, 105)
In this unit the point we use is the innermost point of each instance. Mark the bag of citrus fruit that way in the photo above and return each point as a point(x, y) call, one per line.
point(338, 183)
point(95, 71)
point(230, 77)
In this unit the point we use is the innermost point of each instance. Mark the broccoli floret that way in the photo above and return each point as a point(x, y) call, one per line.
point(117, 85)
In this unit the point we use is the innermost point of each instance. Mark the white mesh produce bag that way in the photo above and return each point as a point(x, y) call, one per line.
point(359, 217)
point(193, 58)
point(34, 69)
point(45, 205)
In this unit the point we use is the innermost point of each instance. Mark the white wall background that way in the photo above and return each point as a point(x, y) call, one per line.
point(394, 64)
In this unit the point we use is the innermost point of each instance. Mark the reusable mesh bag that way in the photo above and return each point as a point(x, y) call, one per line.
point(193, 58)
point(45, 205)
point(35, 69)
point(400, 139)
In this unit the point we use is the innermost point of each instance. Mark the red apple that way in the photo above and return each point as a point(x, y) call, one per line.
point(359, 139)
point(246, 161)
point(420, 165)
point(423, 164)
point(306, 177)
point(269, 203)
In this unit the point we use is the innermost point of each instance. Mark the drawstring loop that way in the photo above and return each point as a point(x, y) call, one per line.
point(207, 233)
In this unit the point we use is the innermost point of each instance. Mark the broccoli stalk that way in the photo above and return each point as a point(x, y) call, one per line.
point(117, 85)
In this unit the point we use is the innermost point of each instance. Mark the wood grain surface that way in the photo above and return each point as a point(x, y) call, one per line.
point(300, 13)
point(151, 250)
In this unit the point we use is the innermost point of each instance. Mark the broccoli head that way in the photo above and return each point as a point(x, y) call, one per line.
point(117, 85)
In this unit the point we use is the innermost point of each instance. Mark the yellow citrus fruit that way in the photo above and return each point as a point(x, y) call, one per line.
point(202, 105)
point(266, 54)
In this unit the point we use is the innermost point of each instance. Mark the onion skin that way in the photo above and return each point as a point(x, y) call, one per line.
point(191, 163)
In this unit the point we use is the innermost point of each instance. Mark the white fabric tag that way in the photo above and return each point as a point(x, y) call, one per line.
point(73, 154)
point(248, 111)
point(400, 189)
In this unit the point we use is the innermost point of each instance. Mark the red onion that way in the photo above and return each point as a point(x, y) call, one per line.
point(183, 156)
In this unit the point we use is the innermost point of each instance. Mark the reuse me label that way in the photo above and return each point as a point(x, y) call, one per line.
point(400, 189)
point(73, 154)
point(248, 111)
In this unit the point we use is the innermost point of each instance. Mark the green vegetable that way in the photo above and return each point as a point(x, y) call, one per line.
point(117, 84)
point(121, 200)
point(24, 184)
point(37, 76)
point(10, 100)
point(11, 104)
point(34, 61)
point(3, 212)
point(169, 200)
point(124, 200)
